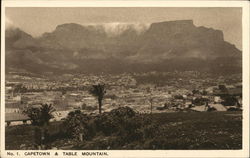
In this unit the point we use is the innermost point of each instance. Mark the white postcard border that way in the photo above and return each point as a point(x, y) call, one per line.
point(140, 153)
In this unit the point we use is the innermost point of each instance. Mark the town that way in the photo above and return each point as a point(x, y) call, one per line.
point(152, 92)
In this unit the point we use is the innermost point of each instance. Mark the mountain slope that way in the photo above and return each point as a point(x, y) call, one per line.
point(163, 46)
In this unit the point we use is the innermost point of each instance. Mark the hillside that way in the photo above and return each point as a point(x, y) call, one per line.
point(164, 131)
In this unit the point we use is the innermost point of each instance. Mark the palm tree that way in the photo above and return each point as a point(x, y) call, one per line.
point(99, 92)
point(40, 116)
point(46, 111)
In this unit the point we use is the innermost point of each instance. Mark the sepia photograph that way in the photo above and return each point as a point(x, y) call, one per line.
point(122, 78)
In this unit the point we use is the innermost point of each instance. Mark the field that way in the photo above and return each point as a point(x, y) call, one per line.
point(180, 130)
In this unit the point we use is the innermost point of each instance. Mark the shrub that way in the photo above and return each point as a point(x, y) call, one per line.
point(229, 101)
point(200, 101)
point(122, 123)
point(130, 130)
point(105, 124)
point(122, 112)
point(77, 123)
point(112, 122)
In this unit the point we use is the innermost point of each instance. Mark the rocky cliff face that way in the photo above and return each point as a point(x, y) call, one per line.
point(163, 46)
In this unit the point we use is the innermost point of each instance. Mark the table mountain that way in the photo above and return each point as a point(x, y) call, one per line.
point(116, 48)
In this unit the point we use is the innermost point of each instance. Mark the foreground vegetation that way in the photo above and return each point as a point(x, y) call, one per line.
point(122, 128)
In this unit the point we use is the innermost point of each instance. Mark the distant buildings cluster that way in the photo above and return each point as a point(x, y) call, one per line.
point(187, 91)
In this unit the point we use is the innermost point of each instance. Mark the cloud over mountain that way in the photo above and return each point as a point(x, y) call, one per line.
point(118, 47)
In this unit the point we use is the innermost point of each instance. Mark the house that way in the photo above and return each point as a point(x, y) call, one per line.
point(59, 115)
point(217, 99)
point(218, 107)
point(12, 110)
point(199, 108)
point(16, 119)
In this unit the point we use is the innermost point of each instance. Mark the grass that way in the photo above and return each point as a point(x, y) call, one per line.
point(180, 130)
point(204, 130)
point(24, 135)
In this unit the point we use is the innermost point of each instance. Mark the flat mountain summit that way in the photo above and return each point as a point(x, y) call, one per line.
point(117, 48)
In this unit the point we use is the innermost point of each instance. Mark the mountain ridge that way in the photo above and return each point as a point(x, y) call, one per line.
point(70, 46)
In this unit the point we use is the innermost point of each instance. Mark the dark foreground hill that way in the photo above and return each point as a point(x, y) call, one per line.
point(164, 46)
point(167, 131)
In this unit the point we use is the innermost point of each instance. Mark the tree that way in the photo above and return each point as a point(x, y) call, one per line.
point(229, 101)
point(40, 115)
point(34, 114)
point(99, 92)
point(223, 88)
point(200, 101)
point(76, 125)
point(46, 113)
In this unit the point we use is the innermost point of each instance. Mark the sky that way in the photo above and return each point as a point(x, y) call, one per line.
point(36, 21)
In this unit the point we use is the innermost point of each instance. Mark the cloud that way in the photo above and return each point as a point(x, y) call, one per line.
point(117, 28)
point(9, 23)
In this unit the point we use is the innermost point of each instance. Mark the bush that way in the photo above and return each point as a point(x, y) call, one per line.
point(130, 130)
point(122, 124)
point(113, 122)
point(77, 123)
point(200, 101)
point(122, 112)
point(229, 101)
point(105, 124)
